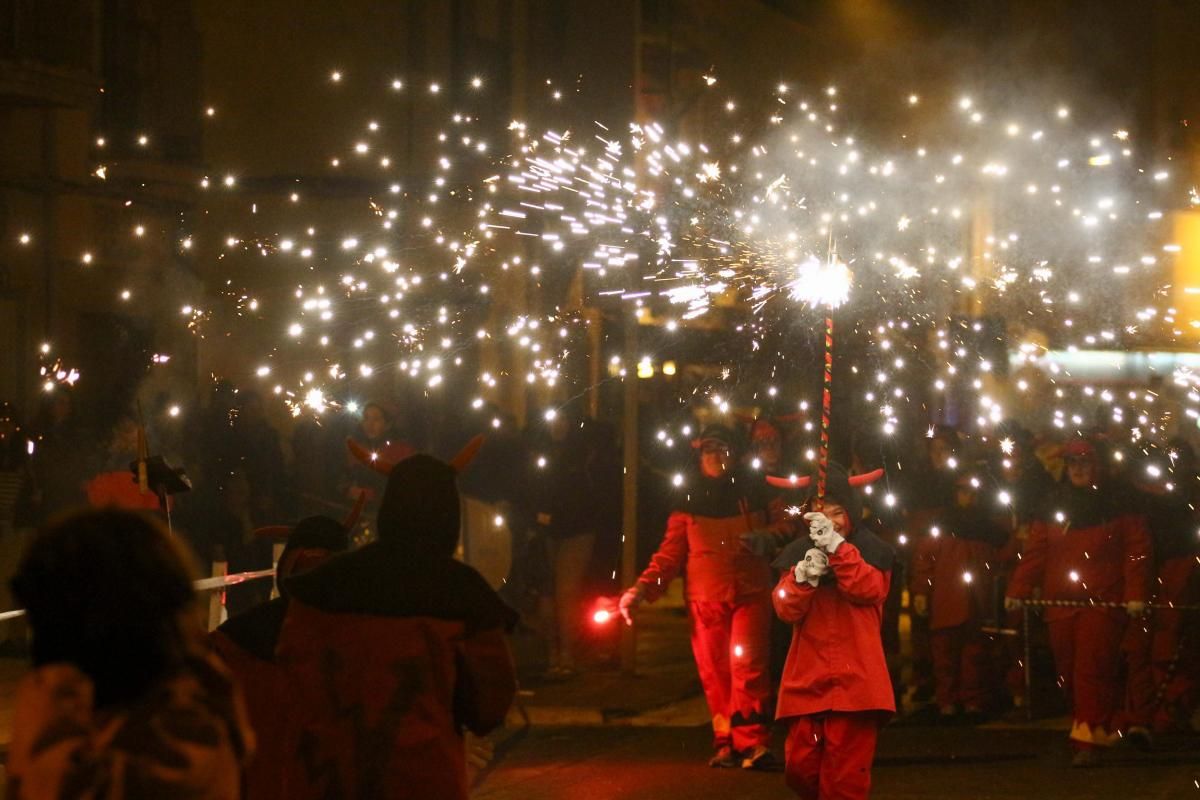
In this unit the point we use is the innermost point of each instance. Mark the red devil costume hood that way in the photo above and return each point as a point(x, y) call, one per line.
point(842, 488)
point(836, 661)
point(394, 650)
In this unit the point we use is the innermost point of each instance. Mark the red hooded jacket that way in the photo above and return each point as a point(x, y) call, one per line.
point(706, 533)
point(246, 643)
point(1104, 558)
point(836, 660)
point(390, 654)
point(955, 568)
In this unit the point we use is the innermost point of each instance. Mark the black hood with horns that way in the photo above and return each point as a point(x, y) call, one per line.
point(420, 508)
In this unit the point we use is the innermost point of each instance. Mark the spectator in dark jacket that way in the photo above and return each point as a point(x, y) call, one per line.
point(394, 651)
point(122, 702)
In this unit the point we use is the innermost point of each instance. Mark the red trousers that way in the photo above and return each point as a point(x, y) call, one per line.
point(732, 646)
point(829, 755)
point(960, 666)
point(1163, 654)
point(1087, 655)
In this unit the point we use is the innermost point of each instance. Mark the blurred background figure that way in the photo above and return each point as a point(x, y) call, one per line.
point(246, 644)
point(929, 496)
point(1163, 651)
point(59, 441)
point(1091, 546)
point(377, 433)
point(260, 456)
point(952, 587)
point(113, 483)
point(580, 512)
point(17, 492)
point(122, 701)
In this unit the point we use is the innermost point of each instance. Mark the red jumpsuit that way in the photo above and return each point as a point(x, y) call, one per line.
point(955, 572)
point(728, 593)
point(1107, 560)
point(835, 692)
point(1163, 653)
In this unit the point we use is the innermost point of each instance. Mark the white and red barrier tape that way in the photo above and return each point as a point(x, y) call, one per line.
point(1099, 604)
point(202, 585)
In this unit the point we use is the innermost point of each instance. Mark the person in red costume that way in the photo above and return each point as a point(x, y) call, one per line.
point(836, 693)
point(1088, 547)
point(115, 485)
point(246, 644)
point(952, 586)
point(725, 529)
point(393, 651)
point(1163, 651)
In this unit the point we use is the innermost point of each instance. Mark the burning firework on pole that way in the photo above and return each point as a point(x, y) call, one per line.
point(824, 285)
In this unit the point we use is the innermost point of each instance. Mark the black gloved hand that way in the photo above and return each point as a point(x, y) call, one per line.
point(792, 554)
point(762, 543)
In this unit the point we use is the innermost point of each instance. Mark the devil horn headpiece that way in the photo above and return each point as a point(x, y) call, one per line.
point(792, 482)
point(865, 478)
point(372, 460)
point(282, 532)
point(279, 532)
point(802, 481)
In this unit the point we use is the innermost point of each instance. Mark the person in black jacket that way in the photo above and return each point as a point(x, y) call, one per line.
point(580, 513)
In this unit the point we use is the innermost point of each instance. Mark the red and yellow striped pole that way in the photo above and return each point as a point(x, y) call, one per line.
point(823, 459)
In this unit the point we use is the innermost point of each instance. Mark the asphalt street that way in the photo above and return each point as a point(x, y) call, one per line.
point(661, 763)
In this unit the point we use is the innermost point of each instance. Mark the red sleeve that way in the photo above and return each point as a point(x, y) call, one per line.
point(1135, 539)
point(924, 558)
point(858, 581)
point(1031, 568)
point(666, 563)
point(487, 682)
point(792, 600)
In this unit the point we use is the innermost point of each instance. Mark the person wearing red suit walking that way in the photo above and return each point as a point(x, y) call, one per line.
point(1087, 547)
point(952, 586)
point(725, 528)
point(836, 693)
point(1163, 653)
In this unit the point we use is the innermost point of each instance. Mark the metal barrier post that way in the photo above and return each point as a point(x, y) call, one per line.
point(219, 570)
point(1027, 656)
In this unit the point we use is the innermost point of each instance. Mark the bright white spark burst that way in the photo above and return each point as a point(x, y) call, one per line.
point(747, 218)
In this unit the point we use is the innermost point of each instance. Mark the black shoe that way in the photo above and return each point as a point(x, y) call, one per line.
point(1140, 738)
point(724, 758)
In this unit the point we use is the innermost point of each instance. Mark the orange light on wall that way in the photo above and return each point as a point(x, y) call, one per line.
point(1186, 271)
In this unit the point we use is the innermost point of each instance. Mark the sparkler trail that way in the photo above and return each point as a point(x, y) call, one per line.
point(1009, 210)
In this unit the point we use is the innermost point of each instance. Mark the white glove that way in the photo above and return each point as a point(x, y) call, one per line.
point(920, 605)
point(1013, 603)
point(480, 750)
point(1135, 608)
point(820, 530)
point(810, 569)
point(631, 599)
